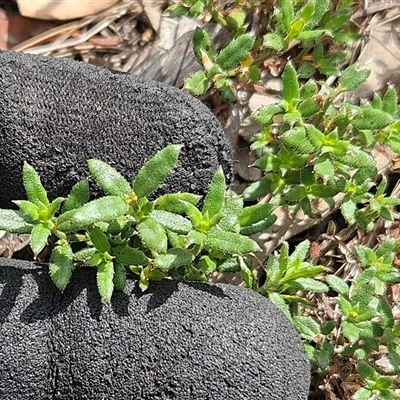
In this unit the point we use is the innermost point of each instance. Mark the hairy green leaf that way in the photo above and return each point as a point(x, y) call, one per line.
point(39, 236)
point(99, 239)
point(352, 78)
point(34, 190)
point(306, 326)
point(79, 195)
point(235, 51)
point(153, 235)
point(156, 170)
point(172, 202)
point(108, 178)
point(105, 280)
point(389, 103)
point(119, 279)
point(173, 222)
point(337, 284)
point(290, 83)
point(61, 265)
point(174, 258)
point(230, 243)
point(274, 41)
point(28, 208)
point(202, 41)
point(197, 83)
point(104, 209)
point(129, 256)
point(214, 199)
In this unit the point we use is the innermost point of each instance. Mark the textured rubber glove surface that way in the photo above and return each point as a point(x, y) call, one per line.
point(182, 341)
point(58, 113)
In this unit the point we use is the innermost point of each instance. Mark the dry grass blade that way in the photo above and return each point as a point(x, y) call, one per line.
point(61, 37)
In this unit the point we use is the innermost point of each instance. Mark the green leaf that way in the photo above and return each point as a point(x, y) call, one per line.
point(325, 169)
point(230, 243)
point(39, 236)
point(54, 206)
point(306, 326)
point(247, 273)
point(290, 83)
point(225, 89)
point(197, 83)
point(320, 8)
point(287, 13)
point(171, 221)
point(305, 71)
point(363, 394)
point(371, 118)
point(310, 35)
point(229, 265)
point(99, 239)
point(172, 202)
point(322, 191)
point(129, 256)
point(297, 139)
point(277, 299)
point(173, 259)
point(153, 235)
point(352, 78)
point(350, 331)
point(104, 209)
point(253, 214)
point(265, 113)
point(274, 41)
point(231, 211)
point(309, 284)
point(61, 265)
point(28, 208)
point(337, 284)
point(15, 221)
point(79, 195)
point(214, 199)
point(196, 9)
point(385, 310)
point(348, 209)
point(300, 251)
point(366, 371)
point(105, 280)
point(389, 103)
point(193, 213)
point(156, 170)
point(237, 18)
point(177, 10)
point(33, 187)
point(108, 178)
point(296, 193)
point(87, 255)
point(119, 279)
point(202, 41)
point(258, 226)
point(235, 51)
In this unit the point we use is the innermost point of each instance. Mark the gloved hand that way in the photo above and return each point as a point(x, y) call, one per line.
point(58, 113)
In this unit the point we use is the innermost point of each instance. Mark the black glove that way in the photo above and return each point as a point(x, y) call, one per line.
point(58, 113)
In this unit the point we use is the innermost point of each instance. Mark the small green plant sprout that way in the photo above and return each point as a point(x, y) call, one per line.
point(312, 148)
point(363, 325)
point(284, 25)
point(124, 231)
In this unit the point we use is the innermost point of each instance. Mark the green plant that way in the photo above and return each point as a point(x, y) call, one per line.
point(363, 324)
point(125, 231)
point(320, 148)
point(309, 23)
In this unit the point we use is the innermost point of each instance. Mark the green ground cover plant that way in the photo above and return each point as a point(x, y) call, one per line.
point(315, 145)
